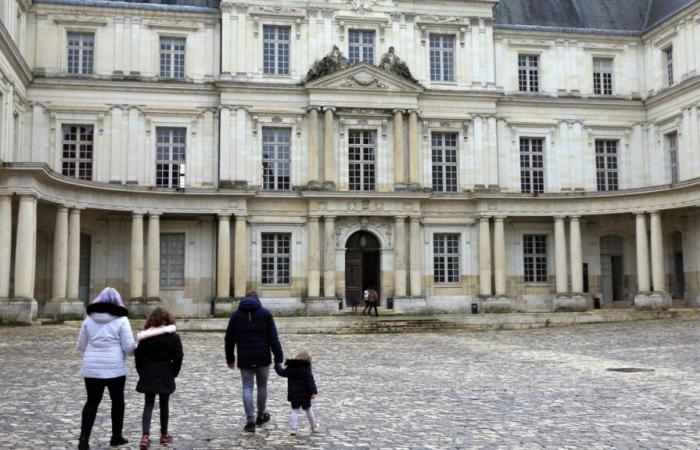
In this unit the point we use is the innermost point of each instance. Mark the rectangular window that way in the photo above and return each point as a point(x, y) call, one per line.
point(361, 46)
point(529, 73)
point(444, 157)
point(172, 57)
point(532, 165)
point(276, 158)
point(668, 64)
point(442, 57)
point(276, 41)
point(606, 164)
point(276, 258)
point(81, 53)
point(535, 258)
point(170, 157)
point(602, 76)
point(672, 144)
point(172, 260)
point(446, 258)
point(362, 155)
point(78, 142)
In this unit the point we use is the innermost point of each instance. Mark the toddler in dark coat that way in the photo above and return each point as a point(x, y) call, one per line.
point(301, 389)
point(158, 362)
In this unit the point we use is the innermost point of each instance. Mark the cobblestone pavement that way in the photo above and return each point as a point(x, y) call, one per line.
point(531, 389)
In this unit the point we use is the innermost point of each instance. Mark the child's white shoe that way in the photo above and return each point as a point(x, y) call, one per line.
point(315, 428)
point(292, 431)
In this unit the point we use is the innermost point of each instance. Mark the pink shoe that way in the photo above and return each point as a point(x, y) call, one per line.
point(166, 439)
point(145, 442)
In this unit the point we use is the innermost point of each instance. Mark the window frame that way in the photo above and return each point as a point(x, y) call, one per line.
point(171, 162)
point(444, 185)
point(441, 74)
point(276, 161)
point(529, 80)
point(603, 77)
point(607, 177)
point(668, 62)
point(363, 164)
point(531, 169)
point(535, 271)
point(171, 72)
point(447, 259)
point(84, 53)
point(276, 42)
point(166, 264)
point(671, 143)
point(362, 46)
point(279, 261)
point(77, 160)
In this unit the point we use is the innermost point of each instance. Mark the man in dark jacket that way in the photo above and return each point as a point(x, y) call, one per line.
point(252, 331)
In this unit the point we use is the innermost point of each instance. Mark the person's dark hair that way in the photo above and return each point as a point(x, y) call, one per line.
point(251, 294)
point(160, 317)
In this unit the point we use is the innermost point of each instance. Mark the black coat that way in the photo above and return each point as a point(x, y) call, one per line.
point(252, 331)
point(158, 362)
point(300, 380)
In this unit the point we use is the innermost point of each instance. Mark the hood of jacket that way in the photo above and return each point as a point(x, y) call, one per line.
point(297, 366)
point(107, 308)
point(155, 331)
point(102, 317)
point(249, 304)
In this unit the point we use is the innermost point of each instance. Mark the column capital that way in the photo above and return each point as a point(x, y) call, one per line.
point(314, 108)
point(329, 108)
point(398, 111)
point(484, 218)
point(500, 218)
point(577, 218)
point(400, 218)
point(241, 217)
point(314, 218)
point(418, 219)
point(75, 210)
point(62, 208)
point(28, 197)
point(329, 218)
point(154, 214)
point(138, 214)
point(222, 216)
point(559, 218)
point(412, 111)
point(655, 213)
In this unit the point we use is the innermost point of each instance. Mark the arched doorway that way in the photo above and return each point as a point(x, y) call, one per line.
point(362, 265)
point(612, 274)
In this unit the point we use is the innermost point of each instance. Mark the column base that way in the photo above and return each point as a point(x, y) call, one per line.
point(18, 310)
point(64, 309)
point(223, 306)
point(314, 186)
point(496, 305)
point(652, 301)
point(573, 303)
point(321, 306)
point(410, 305)
point(400, 187)
point(414, 187)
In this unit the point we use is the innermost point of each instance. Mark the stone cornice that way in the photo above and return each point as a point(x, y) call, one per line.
point(107, 84)
point(684, 87)
point(13, 54)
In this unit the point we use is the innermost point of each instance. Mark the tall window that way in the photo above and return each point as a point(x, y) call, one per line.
point(172, 57)
point(81, 53)
point(529, 73)
point(602, 76)
point(446, 258)
point(78, 141)
point(361, 46)
point(276, 158)
point(276, 258)
point(362, 155)
point(668, 64)
point(172, 260)
point(672, 144)
point(444, 157)
point(276, 50)
point(606, 164)
point(535, 258)
point(170, 157)
point(442, 57)
point(532, 165)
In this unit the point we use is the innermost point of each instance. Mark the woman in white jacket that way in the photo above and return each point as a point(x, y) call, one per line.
point(105, 339)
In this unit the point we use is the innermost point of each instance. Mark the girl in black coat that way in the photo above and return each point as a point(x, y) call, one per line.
point(301, 389)
point(158, 362)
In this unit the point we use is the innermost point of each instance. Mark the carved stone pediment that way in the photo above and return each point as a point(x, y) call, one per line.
point(364, 76)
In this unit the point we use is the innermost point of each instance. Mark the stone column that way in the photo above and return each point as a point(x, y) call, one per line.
point(329, 150)
point(400, 257)
point(136, 288)
point(413, 157)
point(73, 254)
point(240, 258)
point(314, 177)
point(329, 263)
point(5, 242)
point(484, 257)
point(576, 258)
point(25, 248)
point(399, 175)
point(658, 272)
point(643, 282)
point(60, 255)
point(314, 274)
point(223, 258)
point(153, 271)
point(560, 256)
point(416, 260)
point(499, 250)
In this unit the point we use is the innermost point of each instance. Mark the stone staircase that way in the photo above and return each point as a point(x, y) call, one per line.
point(396, 325)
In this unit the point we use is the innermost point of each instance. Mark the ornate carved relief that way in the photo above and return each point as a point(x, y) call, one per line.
point(362, 6)
point(359, 80)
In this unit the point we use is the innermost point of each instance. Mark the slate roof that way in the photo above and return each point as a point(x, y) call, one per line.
point(594, 16)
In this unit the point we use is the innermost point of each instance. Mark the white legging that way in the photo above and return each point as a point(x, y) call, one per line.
point(294, 418)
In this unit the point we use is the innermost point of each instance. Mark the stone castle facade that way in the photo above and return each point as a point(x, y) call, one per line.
point(445, 153)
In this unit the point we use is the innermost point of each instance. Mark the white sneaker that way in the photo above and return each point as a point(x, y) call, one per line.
point(315, 428)
point(293, 432)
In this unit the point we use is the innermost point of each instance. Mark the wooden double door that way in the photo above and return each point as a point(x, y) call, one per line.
point(362, 266)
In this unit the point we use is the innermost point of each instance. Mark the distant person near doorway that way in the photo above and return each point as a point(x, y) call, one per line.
point(365, 299)
point(373, 300)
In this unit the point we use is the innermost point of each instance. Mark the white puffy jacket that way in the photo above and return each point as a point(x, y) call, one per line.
point(105, 340)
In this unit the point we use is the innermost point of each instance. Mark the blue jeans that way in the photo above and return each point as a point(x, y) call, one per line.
point(260, 376)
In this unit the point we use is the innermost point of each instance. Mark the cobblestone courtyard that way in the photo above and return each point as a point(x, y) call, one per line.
point(546, 388)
